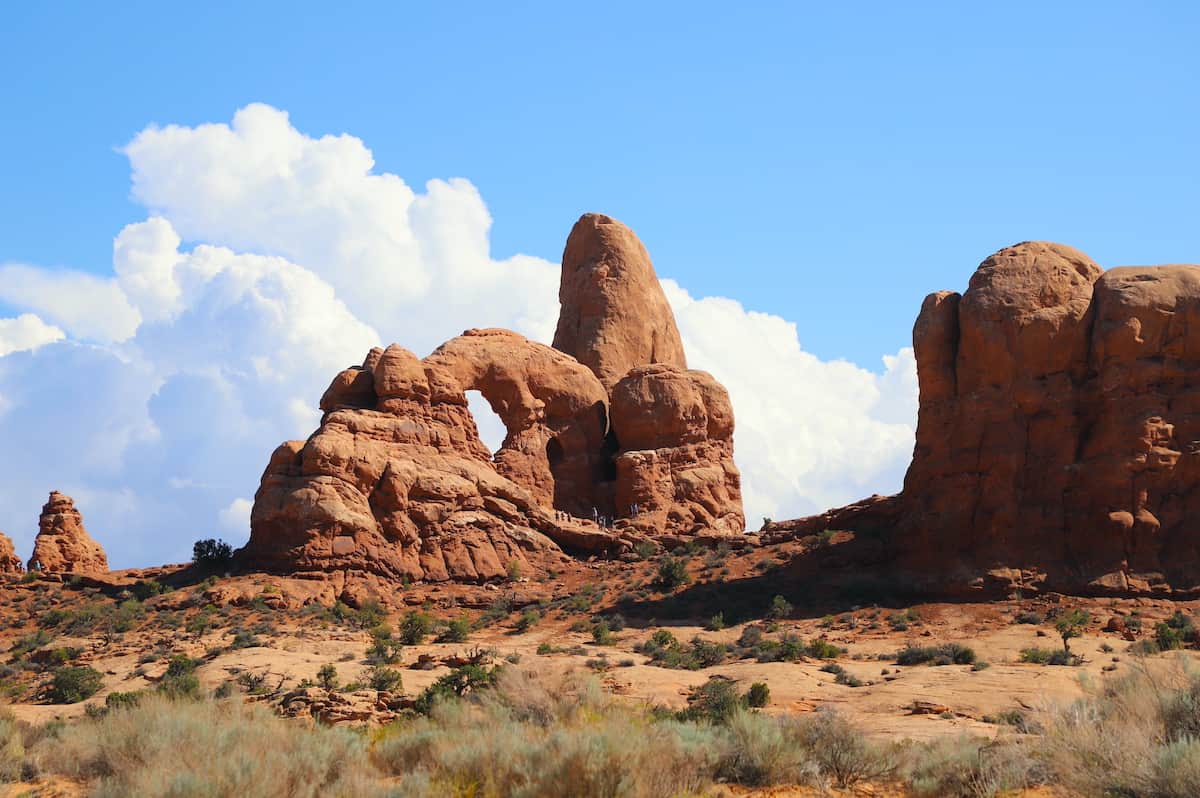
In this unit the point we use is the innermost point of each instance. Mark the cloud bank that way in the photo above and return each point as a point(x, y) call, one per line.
point(268, 261)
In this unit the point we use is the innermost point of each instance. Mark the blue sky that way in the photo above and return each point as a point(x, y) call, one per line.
point(830, 163)
point(206, 215)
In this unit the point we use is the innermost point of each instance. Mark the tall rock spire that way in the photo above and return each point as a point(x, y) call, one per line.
point(614, 315)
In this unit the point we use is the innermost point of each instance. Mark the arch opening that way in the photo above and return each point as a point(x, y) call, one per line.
point(491, 429)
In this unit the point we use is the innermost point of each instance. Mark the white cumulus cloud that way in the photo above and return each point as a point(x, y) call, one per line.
point(162, 390)
point(26, 332)
point(85, 305)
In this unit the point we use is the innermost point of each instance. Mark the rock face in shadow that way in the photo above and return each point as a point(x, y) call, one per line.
point(62, 544)
point(1058, 438)
point(397, 485)
point(614, 315)
point(10, 563)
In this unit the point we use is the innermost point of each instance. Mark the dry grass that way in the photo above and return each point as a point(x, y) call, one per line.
point(525, 738)
point(202, 749)
point(1134, 737)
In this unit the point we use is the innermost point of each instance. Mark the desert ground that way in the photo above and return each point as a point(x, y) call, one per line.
point(263, 639)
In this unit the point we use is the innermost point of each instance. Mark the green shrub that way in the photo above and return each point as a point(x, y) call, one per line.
point(1175, 632)
point(780, 609)
point(456, 631)
point(1028, 617)
point(327, 676)
point(527, 620)
point(645, 549)
point(180, 679)
point(602, 635)
point(714, 701)
point(759, 695)
point(454, 685)
point(1043, 656)
point(385, 679)
point(74, 683)
point(944, 654)
point(1071, 625)
point(415, 627)
point(672, 573)
point(212, 554)
point(118, 700)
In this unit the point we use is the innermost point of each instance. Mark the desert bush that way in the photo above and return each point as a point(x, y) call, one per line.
point(842, 753)
point(1175, 632)
point(761, 750)
point(12, 749)
point(327, 676)
point(387, 679)
point(602, 635)
point(212, 554)
point(1029, 617)
point(180, 679)
point(970, 767)
point(759, 695)
point(1130, 737)
point(415, 627)
point(714, 701)
point(672, 573)
point(780, 609)
point(74, 683)
point(1071, 625)
point(200, 749)
point(1045, 656)
point(944, 654)
point(527, 620)
point(536, 741)
point(119, 700)
point(456, 630)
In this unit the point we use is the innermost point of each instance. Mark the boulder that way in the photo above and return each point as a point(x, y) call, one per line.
point(613, 313)
point(675, 470)
point(62, 544)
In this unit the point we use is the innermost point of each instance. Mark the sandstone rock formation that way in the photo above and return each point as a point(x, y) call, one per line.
point(1058, 438)
point(10, 563)
point(62, 544)
point(554, 410)
point(675, 465)
point(614, 315)
point(396, 483)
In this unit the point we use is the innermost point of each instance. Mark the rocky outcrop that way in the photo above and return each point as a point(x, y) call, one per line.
point(396, 483)
point(554, 410)
point(675, 470)
point(1058, 438)
point(10, 563)
point(62, 544)
point(614, 315)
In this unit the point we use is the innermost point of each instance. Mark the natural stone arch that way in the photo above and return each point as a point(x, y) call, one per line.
point(549, 403)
